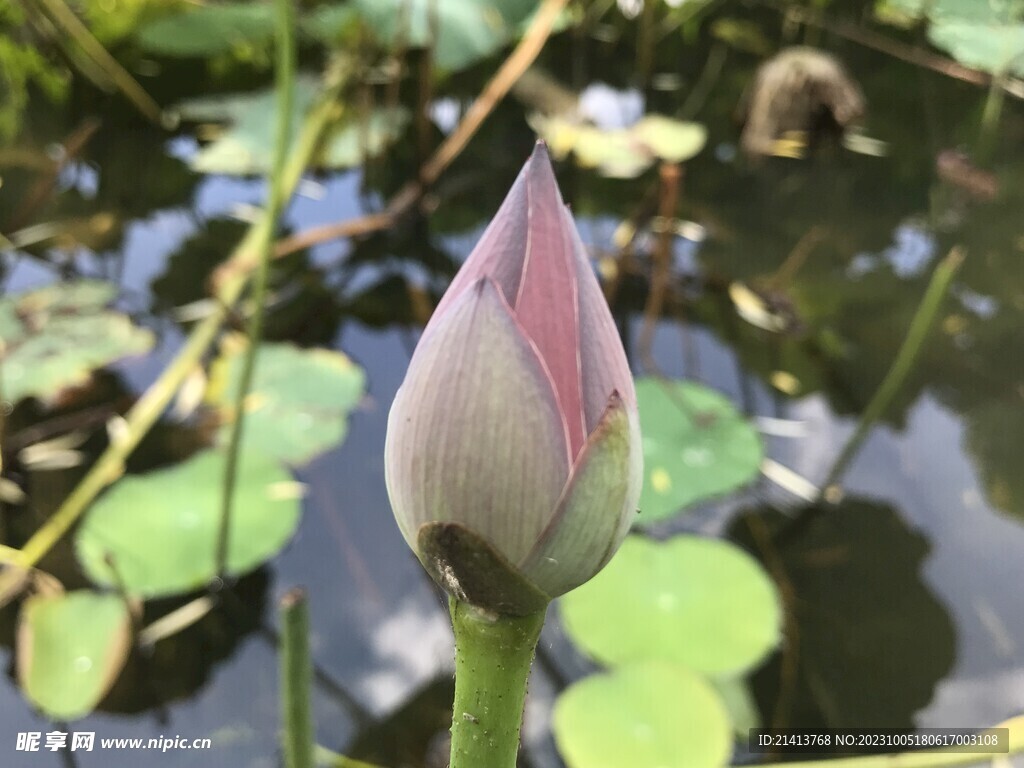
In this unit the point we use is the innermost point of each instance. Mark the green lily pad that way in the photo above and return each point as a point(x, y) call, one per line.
point(673, 141)
point(71, 648)
point(358, 139)
point(299, 402)
point(53, 338)
point(703, 603)
point(696, 446)
point(468, 30)
point(245, 147)
point(979, 11)
point(996, 47)
point(160, 528)
point(645, 715)
point(621, 153)
point(209, 29)
point(331, 24)
point(981, 34)
point(614, 154)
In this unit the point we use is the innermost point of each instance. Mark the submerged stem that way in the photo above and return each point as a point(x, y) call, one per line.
point(493, 655)
point(296, 681)
point(902, 365)
point(990, 119)
point(279, 193)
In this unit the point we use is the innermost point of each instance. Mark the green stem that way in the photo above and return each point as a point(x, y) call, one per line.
point(493, 655)
point(277, 197)
point(902, 365)
point(296, 681)
point(990, 117)
point(67, 22)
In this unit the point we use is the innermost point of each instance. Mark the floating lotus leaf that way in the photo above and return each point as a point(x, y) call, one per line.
point(204, 30)
point(468, 30)
point(646, 715)
point(245, 147)
point(702, 603)
point(978, 33)
point(71, 648)
point(622, 153)
point(299, 402)
point(53, 338)
point(696, 446)
point(996, 48)
point(160, 529)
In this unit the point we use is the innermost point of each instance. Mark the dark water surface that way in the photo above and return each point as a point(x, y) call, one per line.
point(910, 607)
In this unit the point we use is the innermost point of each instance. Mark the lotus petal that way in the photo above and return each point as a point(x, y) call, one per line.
point(475, 435)
point(588, 524)
point(547, 304)
point(603, 363)
point(500, 252)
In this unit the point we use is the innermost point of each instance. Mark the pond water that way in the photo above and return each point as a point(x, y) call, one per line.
point(907, 599)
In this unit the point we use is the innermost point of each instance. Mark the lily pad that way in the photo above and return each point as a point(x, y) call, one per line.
point(696, 446)
point(209, 29)
point(978, 33)
point(979, 11)
point(645, 715)
point(160, 529)
point(468, 30)
point(360, 138)
point(245, 147)
point(673, 141)
point(703, 603)
point(997, 48)
point(54, 337)
point(331, 24)
point(622, 153)
point(71, 648)
point(299, 402)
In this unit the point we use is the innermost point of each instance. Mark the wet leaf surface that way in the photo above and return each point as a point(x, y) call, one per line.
point(299, 403)
point(696, 446)
point(468, 30)
point(53, 338)
point(71, 648)
point(160, 529)
point(244, 147)
point(644, 715)
point(209, 29)
point(622, 153)
point(702, 603)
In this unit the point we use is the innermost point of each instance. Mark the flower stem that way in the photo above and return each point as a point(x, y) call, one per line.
point(903, 365)
point(493, 655)
point(279, 192)
point(296, 681)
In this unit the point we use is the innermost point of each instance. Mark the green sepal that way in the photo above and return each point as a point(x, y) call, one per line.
point(468, 568)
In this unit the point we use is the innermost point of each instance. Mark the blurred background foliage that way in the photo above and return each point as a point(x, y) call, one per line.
point(764, 188)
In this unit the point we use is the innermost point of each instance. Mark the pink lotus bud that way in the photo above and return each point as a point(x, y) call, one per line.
point(513, 457)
